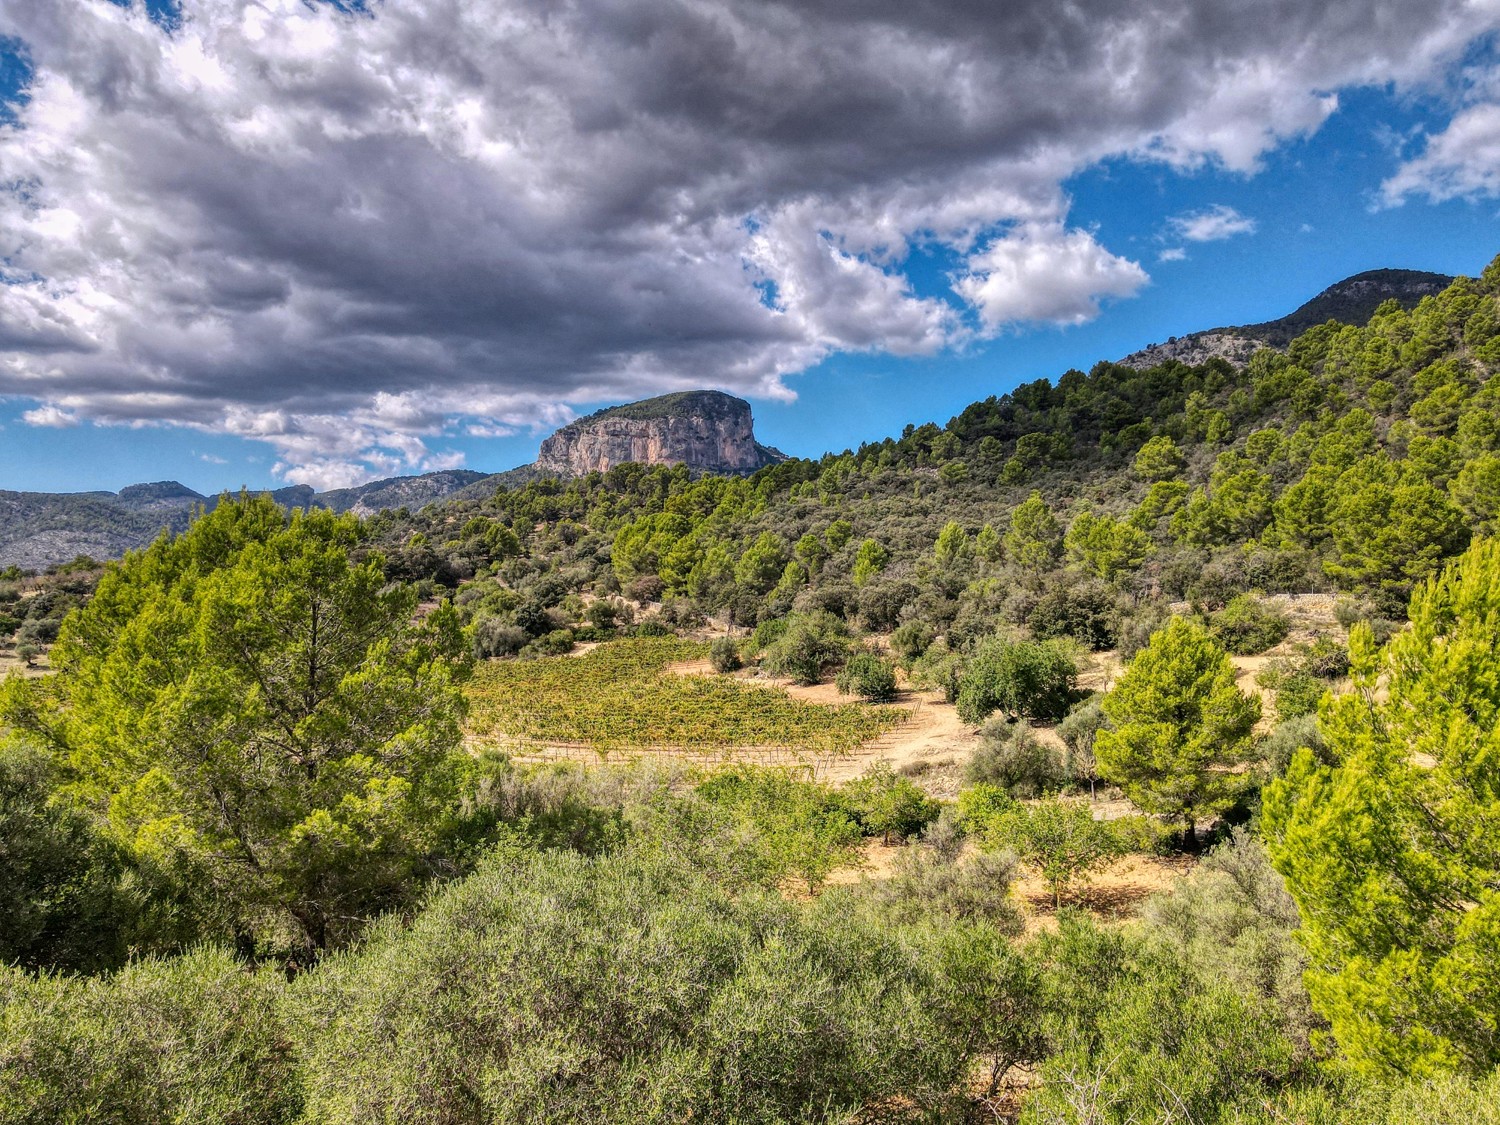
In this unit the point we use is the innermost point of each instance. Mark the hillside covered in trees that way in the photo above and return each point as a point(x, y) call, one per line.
point(519, 807)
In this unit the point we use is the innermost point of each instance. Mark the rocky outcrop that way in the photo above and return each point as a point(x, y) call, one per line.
point(1351, 301)
point(708, 431)
point(1198, 348)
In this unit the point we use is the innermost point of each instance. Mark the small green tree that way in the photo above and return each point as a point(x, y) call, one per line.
point(762, 564)
point(1159, 459)
point(870, 560)
point(1059, 837)
point(952, 545)
point(1179, 724)
point(1391, 528)
point(1030, 679)
point(250, 706)
point(1034, 540)
point(869, 676)
point(1105, 546)
point(887, 803)
point(1078, 732)
point(810, 645)
point(1390, 851)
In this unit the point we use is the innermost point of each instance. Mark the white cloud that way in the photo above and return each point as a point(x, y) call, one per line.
point(1213, 224)
point(1461, 162)
point(1172, 254)
point(50, 417)
point(1042, 273)
point(344, 233)
point(211, 459)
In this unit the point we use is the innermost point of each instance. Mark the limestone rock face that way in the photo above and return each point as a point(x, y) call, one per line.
point(708, 431)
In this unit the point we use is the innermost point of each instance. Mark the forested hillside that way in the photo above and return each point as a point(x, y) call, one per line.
point(537, 806)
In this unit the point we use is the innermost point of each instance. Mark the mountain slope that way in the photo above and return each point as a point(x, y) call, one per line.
point(1351, 301)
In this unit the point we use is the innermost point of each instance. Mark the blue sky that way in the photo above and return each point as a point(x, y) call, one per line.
point(228, 265)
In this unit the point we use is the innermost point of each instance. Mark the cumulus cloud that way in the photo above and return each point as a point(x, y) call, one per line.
point(1042, 273)
point(49, 417)
point(345, 233)
point(1213, 224)
point(1172, 254)
point(1461, 162)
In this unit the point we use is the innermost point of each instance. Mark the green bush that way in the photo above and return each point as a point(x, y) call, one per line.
point(1014, 759)
point(1031, 679)
point(887, 804)
point(1247, 626)
point(910, 641)
point(559, 642)
point(724, 655)
point(869, 676)
point(193, 1038)
point(1085, 614)
point(813, 644)
point(551, 987)
point(494, 638)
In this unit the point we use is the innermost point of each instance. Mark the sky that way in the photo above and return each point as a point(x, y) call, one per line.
point(261, 242)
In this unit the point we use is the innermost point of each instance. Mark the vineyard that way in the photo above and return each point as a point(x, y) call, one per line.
point(621, 697)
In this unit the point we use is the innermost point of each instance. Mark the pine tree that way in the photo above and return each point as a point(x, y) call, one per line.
point(1178, 724)
point(1393, 851)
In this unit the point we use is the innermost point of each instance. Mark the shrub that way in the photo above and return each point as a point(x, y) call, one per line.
point(646, 588)
point(812, 644)
point(551, 987)
point(557, 643)
point(1084, 613)
point(1077, 731)
point(911, 641)
point(652, 627)
point(1034, 679)
point(886, 803)
point(869, 676)
point(724, 654)
point(1277, 749)
point(192, 1038)
point(601, 614)
point(1014, 759)
point(1247, 626)
point(39, 631)
point(493, 637)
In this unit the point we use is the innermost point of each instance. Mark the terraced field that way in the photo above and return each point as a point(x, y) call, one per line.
point(622, 697)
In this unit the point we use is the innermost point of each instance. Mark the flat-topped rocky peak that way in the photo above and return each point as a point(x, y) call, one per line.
point(708, 431)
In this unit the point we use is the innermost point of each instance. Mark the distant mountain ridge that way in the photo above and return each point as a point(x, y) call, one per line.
point(1351, 301)
point(709, 431)
point(38, 529)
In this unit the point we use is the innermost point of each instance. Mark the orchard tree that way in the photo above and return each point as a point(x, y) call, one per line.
point(253, 707)
point(1178, 723)
point(1393, 851)
point(1022, 679)
point(1060, 838)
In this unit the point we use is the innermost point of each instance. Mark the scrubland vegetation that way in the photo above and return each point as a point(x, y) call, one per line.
point(271, 855)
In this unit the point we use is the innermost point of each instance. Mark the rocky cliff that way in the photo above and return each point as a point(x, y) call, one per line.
point(708, 431)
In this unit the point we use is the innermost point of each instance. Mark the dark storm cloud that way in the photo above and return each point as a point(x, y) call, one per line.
point(341, 232)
